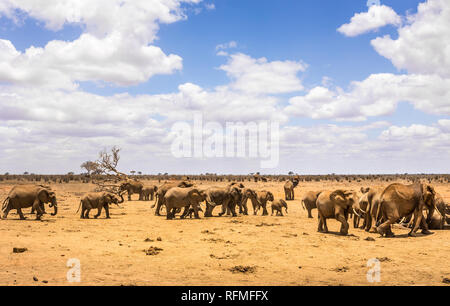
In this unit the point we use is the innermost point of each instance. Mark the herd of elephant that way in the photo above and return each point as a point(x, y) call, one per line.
point(379, 208)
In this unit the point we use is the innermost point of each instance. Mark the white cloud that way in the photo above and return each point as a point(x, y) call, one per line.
point(378, 95)
point(378, 16)
point(423, 44)
point(115, 46)
point(259, 76)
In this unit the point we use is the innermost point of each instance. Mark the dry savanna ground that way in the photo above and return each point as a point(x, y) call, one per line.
point(246, 250)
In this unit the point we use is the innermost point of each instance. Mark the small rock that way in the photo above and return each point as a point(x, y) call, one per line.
point(446, 280)
point(35, 278)
point(19, 250)
point(159, 239)
point(45, 281)
point(370, 239)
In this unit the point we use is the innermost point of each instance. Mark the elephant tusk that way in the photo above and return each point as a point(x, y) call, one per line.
point(354, 211)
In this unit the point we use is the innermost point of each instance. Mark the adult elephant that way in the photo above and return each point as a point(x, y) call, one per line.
point(162, 189)
point(148, 192)
point(309, 201)
point(227, 197)
point(97, 200)
point(29, 196)
point(335, 204)
point(398, 201)
point(248, 193)
point(262, 197)
point(373, 201)
point(177, 197)
point(132, 187)
point(289, 189)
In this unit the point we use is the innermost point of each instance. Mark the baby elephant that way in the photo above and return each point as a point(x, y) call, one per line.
point(96, 200)
point(277, 205)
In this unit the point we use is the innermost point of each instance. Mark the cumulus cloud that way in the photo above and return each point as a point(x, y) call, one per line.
point(115, 47)
point(377, 17)
point(259, 76)
point(422, 46)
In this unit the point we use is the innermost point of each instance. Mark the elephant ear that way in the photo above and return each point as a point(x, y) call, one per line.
point(337, 195)
point(431, 190)
point(365, 190)
point(43, 193)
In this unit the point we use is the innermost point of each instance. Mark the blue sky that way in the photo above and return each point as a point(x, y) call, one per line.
point(298, 32)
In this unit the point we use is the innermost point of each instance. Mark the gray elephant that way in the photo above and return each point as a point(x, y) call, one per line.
point(97, 200)
point(289, 189)
point(335, 204)
point(398, 201)
point(132, 187)
point(359, 211)
point(227, 197)
point(373, 202)
point(309, 201)
point(263, 197)
point(248, 193)
point(277, 205)
point(178, 197)
point(29, 196)
point(162, 189)
point(148, 192)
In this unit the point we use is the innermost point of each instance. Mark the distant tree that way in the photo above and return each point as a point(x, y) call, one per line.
point(89, 166)
point(140, 172)
point(70, 173)
point(25, 173)
point(132, 172)
point(291, 173)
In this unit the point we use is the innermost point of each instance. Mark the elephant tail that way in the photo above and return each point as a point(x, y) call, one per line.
point(303, 205)
point(79, 206)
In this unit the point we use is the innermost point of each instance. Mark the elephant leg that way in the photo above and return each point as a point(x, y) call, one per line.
point(129, 195)
point(309, 213)
point(99, 211)
point(355, 222)
point(344, 224)
point(196, 212)
point(209, 209)
point(39, 212)
point(185, 212)
point(82, 211)
point(20, 213)
point(320, 226)
point(224, 207)
point(281, 212)
point(86, 214)
point(232, 208)
point(107, 211)
point(158, 207)
point(385, 228)
point(265, 212)
point(293, 195)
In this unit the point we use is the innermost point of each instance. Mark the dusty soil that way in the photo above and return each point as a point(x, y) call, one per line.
point(137, 248)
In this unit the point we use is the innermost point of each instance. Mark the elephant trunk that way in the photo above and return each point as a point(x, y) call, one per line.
point(55, 207)
point(121, 198)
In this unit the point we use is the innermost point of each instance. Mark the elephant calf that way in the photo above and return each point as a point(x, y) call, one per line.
point(96, 200)
point(148, 193)
point(277, 205)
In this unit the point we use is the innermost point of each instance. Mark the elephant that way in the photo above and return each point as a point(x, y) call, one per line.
point(262, 198)
point(29, 196)
point(309, 201)
point(162, 189)
point(398, 201)
point(373, 200)
point(148, 192)
point(289, 189)
point(227, 197)
point(277, 206)
point(191, 211)
point(359, 211)
point(97, 200)
point(132, 187)
point(335, 204)
point(437, 221)
point(248, 193)
point(180, 197)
